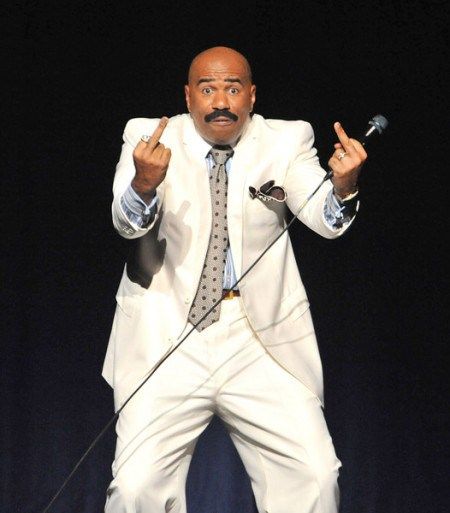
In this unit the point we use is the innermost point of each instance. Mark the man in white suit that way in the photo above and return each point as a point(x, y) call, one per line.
point(256, 363)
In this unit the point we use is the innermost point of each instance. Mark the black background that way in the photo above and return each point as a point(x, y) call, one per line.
point(73, 73)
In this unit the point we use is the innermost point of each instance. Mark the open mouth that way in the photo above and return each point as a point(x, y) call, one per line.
point(222, 121)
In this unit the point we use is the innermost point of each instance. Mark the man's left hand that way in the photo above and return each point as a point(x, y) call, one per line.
point(346, 163)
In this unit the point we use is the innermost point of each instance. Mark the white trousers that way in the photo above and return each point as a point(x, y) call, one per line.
point(275, 422)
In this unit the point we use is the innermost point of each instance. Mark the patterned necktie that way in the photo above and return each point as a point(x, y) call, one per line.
point(210, 287)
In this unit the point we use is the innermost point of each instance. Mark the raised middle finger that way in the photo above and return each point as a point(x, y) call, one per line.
point(344, 139)
point(154, 139)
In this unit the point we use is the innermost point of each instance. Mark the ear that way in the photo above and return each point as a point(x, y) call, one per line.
point(252, 96)
point(187, 97)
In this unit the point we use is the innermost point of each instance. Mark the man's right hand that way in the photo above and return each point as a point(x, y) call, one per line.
point(151, 160)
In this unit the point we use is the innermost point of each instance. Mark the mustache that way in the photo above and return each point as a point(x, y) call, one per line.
point(220, 113)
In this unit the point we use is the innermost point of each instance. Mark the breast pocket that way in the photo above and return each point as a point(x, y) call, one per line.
point(265, 214)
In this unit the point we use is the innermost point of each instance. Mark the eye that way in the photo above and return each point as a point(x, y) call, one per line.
point(233, 90)
point(207, 90)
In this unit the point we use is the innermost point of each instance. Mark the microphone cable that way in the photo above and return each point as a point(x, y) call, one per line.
point(105, 429)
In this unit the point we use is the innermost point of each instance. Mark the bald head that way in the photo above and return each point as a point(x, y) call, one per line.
point(220, 94)
point(224, 55)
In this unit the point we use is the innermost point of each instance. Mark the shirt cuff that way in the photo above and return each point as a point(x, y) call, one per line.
point(339, 214)
point(135, 208)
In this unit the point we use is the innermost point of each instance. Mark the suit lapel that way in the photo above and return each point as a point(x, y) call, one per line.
point(196, 181)
point(244, 160)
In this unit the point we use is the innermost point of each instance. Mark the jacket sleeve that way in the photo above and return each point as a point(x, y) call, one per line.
point(304, 174)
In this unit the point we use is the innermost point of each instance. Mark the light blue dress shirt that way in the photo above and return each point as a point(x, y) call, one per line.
point(336, 214)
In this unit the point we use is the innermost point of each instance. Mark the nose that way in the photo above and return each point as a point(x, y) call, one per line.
point(220, 101)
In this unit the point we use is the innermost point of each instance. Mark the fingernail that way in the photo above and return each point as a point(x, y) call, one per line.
point(338, 124)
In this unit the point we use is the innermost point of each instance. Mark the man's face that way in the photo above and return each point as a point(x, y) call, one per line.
point(220, 96)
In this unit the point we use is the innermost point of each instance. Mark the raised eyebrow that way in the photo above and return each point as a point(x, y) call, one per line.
point(203, 80)
point(230, 80)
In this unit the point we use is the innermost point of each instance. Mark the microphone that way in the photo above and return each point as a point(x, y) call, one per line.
point(377, 125)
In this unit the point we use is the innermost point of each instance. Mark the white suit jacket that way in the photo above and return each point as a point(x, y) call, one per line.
point(152, 307)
